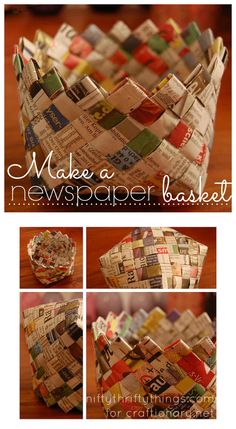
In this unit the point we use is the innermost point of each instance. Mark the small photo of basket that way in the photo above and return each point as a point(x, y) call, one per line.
point(52, 256)
point(139, 104)
point(54, 337)
point(156, 365)
point(154, 258)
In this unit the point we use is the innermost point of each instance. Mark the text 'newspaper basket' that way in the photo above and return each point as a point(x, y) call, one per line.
point(54, 336)
point(154, 258)
point(52, 256)
point(142, 373)
point(129, 106)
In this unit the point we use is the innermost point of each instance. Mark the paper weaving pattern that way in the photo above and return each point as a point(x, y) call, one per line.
point(141, 379)
point(158, 120)
point(52, 256)
point(154, 258)
point(54, 336)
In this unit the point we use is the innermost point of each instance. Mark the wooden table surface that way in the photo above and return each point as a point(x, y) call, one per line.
point(215, 16)
point(32, 407)
point(27, 277)
point(100, 240)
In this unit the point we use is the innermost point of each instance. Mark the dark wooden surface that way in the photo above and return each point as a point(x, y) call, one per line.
point(27, 277)
point(215, 16)
point(32, 407)
point(100, 240)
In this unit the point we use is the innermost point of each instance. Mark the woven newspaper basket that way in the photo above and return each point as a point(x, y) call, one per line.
point(54, 336)
point(129, 106)
point(154, 258)
point(52, 256)
point(140, 377)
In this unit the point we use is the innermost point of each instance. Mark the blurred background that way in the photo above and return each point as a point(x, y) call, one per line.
point(21, 20)
point(217, 16)
point(100, 303)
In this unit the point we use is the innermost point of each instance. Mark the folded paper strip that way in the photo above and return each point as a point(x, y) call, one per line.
point(52, 256)
point(154, 258)
point(140, 104)
point(140, 374)
point(54, 336)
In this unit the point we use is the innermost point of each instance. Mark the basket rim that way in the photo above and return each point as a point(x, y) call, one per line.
point(70, 263)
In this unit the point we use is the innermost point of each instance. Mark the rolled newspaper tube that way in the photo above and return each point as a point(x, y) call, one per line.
point(52, 256)
point(143, 377)
point(154, 258)
point(140, 103)
point(54, 337)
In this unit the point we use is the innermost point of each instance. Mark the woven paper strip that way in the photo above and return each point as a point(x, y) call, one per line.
point(142, 379)
point(154, 258)
point(52, 256)
point(54, 336)
point(158, 120)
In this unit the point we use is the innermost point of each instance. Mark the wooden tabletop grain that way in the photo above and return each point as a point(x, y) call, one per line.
point(215, 16)
point(31, 407)
point(100, 240)
point(27, 277)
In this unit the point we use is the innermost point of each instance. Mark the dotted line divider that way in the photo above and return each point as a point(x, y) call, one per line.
point(117, 204)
